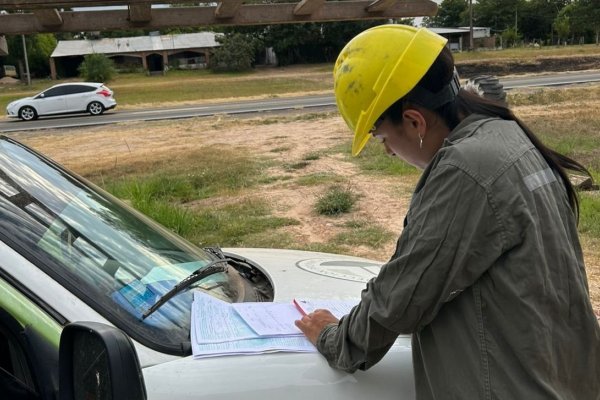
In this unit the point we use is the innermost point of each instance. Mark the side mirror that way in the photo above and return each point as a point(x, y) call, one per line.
point(42, 95)
point(98, 362)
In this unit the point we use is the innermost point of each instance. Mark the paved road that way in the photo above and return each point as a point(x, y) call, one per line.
point(319, 102)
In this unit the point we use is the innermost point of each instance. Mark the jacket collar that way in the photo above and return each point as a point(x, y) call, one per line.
point(466, 127)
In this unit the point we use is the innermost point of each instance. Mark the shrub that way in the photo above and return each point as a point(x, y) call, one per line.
point(235, 53)
point(97, 68)
point(336, 201)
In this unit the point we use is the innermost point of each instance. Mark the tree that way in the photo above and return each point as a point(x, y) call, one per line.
point(451, 13)
point(498, 14)
point(536, 18)
point(510, 37)
point(97, 68)
point(39, 47)
point(562, 27)
point(308, 42)
point(235, 53)
point(586, 13)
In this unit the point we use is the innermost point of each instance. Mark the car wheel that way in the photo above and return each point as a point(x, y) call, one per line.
point(95, 108)
point(487, 86)
point(27, 113)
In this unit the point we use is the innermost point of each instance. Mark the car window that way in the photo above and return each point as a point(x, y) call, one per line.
point(29, 340)
point(113, 258)
point(87, 88)
point(16, 380)
point(76, 89)
point(55, 91)
point(16, 377)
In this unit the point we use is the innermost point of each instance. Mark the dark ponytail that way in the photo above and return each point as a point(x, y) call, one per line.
point(467, 103)
point(470, 103)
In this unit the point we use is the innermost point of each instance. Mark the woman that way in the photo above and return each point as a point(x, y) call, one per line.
point(488, 273)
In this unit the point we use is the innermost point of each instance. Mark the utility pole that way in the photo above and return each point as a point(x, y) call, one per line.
point(471, 46)
point(26, 61)
point(516, 14)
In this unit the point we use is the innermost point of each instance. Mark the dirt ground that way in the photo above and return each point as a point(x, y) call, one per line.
point(286, 139)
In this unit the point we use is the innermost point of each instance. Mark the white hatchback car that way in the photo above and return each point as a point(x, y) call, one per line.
point(65, 98)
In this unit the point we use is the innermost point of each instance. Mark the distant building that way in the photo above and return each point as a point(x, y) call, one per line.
point(458, 38)
point(152, 53)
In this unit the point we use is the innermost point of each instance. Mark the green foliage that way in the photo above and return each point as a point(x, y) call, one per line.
point(312, 156)
point(510, 37)
point(586, 16)
point(235, 224)
point(154, 187)
point(235, 53)
point(451, 14)
point(295, 166)
point(562, 22)
point(206, 173)
point(166, 196)
point(318, 178)
point(337, 200)
point(363, 233)
point(310, 42)
point(496, 14)
point(97, 68)
point(589, 214)
point(39, 47)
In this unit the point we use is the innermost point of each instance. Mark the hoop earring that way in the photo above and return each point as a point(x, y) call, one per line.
point(420, 141)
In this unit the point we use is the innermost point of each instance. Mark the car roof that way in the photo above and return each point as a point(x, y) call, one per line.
point(95, 84)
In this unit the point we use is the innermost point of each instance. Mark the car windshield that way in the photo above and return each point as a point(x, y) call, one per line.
point(114, 259)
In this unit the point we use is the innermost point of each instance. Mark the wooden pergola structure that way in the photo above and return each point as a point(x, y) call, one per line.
point(33, 16)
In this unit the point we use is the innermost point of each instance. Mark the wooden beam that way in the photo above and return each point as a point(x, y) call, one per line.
point(380, 5)
point(140, 12)
point(48, 17)
point(228, 8)
point(248, 14)
point(36, 4)
point(307, 7)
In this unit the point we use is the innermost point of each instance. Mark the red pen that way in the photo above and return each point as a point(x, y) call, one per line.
point(299, 308)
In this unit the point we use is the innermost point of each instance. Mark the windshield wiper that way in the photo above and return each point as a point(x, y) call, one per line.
point(209, 269)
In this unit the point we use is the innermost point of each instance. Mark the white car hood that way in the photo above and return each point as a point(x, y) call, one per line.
point(19, 101)
point(312, 275)
point(294, 274)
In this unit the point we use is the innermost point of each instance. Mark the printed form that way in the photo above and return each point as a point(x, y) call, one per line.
point(219, 328)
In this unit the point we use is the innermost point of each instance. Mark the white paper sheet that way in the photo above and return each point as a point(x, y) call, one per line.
point(339, 308)
point(215, 321)
point(270, 319)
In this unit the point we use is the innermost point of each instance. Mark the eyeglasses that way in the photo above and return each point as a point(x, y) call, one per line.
point(377, 124)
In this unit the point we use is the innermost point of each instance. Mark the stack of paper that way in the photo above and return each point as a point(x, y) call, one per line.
point(220, 328)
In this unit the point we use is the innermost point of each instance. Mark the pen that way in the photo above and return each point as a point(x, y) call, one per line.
point(299, 308)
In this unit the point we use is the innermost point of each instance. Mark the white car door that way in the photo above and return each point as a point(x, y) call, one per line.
point(52, 101)
point(78, 97)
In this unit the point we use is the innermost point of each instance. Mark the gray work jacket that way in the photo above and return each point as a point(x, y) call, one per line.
point(488, 275)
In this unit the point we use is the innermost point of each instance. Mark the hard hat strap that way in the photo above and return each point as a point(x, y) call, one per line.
point(433, 101)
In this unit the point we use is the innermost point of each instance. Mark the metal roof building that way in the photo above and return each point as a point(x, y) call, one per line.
point(458, 38)
point(152, 53)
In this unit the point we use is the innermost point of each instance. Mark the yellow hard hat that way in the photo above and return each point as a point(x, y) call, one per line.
point(378, 67)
